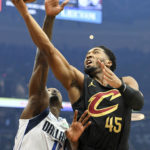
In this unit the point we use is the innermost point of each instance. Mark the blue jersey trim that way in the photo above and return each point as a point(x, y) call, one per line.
point(35, 121)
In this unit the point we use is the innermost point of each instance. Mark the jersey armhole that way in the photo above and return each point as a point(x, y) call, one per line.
point(36, 120)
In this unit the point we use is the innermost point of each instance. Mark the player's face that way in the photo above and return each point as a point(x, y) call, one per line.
point(55, 97)
point(92, 57)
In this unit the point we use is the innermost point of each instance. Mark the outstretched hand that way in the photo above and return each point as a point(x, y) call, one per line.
point(110, 76)
point(21, 6)
point(77, 127)
point(52, 7)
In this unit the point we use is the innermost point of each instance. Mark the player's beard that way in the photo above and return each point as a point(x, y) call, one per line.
point(91, 71)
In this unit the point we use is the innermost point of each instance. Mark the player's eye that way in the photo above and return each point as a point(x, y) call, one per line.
point(96, 52)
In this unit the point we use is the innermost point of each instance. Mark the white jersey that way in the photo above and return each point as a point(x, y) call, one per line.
point(43, 132)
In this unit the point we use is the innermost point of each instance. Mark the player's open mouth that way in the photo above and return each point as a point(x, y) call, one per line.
point(88, 62)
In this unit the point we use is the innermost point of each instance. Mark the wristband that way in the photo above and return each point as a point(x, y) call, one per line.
point(123, 87)
point(133, 98)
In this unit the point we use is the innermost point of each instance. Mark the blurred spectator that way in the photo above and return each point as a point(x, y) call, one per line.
point(2, 87)
point(20, 91)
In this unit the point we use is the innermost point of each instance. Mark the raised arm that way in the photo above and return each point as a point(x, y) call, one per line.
point(37, 85)
point(40, 71)
point(63, 71)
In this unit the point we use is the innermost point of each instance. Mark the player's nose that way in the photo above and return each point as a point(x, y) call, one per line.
point(54, 92)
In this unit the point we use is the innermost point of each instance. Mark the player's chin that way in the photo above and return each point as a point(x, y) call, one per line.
point(90, 71)
point(29, 1)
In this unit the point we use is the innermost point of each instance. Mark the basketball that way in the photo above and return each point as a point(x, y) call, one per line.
point(29, 1)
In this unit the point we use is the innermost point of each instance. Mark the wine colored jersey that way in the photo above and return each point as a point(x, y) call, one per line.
point(110, 116)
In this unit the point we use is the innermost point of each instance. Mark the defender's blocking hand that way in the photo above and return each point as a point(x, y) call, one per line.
point(52, 7)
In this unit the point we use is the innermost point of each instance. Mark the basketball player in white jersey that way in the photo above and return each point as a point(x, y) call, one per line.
point(40, 127)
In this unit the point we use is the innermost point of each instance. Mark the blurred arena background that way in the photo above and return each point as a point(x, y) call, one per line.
point(121, 25)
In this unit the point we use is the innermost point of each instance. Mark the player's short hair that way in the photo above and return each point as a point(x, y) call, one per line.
point(111, 56)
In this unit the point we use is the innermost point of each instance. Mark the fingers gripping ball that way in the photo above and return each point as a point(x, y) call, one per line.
point(29, 1)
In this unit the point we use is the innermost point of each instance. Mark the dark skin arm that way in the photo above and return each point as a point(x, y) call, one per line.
point(71, 78)
point(37, 85)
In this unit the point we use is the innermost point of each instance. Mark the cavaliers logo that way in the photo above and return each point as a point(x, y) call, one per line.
point(96, 99)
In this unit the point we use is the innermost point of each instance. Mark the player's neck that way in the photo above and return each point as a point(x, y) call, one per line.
point(99, 78)
point(55, 111)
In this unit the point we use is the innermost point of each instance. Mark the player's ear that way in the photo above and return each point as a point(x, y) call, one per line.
point(108, 63)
